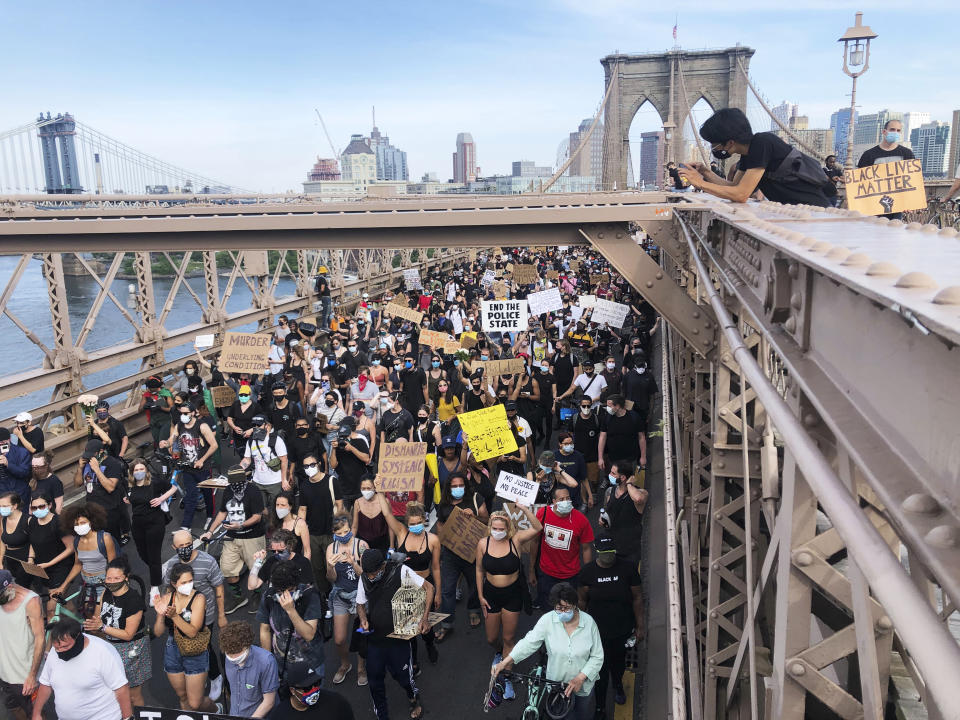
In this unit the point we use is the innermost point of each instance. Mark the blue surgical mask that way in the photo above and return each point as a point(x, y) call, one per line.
point(457, 492)
point(416, 529)
point(342, 539)
point(484, 358)
point(892, 137)
point(567, 447)
point(41, 513)
point(565, 616)
point(456, 363)
point(612, 478)
point(435, 363)
point(5, 511)
point(375, 361)
point(408, 364)
point(546, 468)
point(564, 507)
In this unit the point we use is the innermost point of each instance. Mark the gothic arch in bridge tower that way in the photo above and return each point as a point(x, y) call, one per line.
point(713, 75)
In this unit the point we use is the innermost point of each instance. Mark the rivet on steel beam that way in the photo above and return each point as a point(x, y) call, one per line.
point(821, 247)
point(948, 296)
point(857, 260)
point(803, 558)
point(922, 504)
point(929, 228)
point(600, 235)
point(883, 269)
point(838, 254)
point(794, 270)
point(717, 516)
point(712, 672)
point(659, 276)
point(726, 358)
point(916, 280)
point(944, 536)
point(721, 464)
point(695, 331)
point(723, 411)
point(948, 232)
point(796, 300)
point(696, 314)
point(884, 623)
point(797, 669)
point(716, 566)
point(914, 226)
point(649, 283)
point(714, 614)
point(811, 420)
point(790, 324)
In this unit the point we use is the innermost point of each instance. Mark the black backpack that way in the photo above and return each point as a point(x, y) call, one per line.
point(797, 167)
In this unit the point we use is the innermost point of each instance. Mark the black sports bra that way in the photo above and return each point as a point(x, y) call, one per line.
point(506, 565)
point(420, 560)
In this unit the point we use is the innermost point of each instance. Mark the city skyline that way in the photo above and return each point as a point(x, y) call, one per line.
point(252, 123)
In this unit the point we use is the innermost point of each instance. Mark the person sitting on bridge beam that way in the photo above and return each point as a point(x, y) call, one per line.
point(798, 181)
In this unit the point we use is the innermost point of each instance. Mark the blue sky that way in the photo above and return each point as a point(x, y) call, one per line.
point(228, 89)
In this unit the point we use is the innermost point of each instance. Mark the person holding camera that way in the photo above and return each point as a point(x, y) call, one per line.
point(349, 456)
point(267, 452)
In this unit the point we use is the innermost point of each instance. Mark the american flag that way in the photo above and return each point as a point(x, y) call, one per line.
point(674, 32)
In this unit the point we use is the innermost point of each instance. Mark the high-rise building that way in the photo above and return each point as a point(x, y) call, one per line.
point(651, 159)
point(911, 121)
point(391, 161)
point(819, 140)
point(465, 159)
point(866, 131)
point(589, 163)
point(324, 169)
point(954, 160)
point(528, 168)
point(840, 124)
point(931, 144)
point(359, 162)
point(783, 112)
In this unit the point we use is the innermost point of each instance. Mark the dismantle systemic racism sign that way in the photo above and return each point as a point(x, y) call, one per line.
point(244, 353)
point(504, 315)
point(885, 188)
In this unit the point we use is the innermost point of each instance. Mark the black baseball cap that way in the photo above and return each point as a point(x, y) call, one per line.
point(92, 448)
point(605, 543)
point(371, 559)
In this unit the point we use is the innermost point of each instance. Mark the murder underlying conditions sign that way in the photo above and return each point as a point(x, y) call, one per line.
point(401, 467)
point(504, 315)
point(885, 188)
point(244, 353)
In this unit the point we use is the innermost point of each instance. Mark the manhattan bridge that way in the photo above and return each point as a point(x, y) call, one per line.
point(804, 527)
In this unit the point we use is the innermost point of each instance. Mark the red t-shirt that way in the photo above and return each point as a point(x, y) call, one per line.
point(561, 540)
point(424, 302)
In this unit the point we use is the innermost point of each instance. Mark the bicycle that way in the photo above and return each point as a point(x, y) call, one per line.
point(213, 545)
point(545, 698)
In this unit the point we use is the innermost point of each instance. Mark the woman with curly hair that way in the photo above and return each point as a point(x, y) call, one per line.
point(94, 546)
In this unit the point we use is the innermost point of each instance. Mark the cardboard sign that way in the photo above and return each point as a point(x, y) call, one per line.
point(574, 265)
point(223, 396)
point(516, 488)
point(488, 432)
point(400, 311)
point(499, 289)
point(544, 302)
point(468, 340)
point(433, 338)
point(203, 341)
point(461, 533)
point(509, 268)
point(31, 568)
point(504, 315)
point(611, 313)
point(158, 713)
point(525, 274)
point(244, 353)
point(492, 368)
point(472, 254)
point(401, 467)
point(489, 276)
point(217, 483)
point(553, 275)
point(520, 520)
point(596, 278)
point(411, 278)
point(885, 188)
point(587, 301)
point(451, 347)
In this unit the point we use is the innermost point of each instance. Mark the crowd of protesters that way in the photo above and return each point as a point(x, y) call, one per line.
point(312, 549)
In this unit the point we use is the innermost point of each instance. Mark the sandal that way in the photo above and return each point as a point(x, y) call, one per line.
point(439, 634)
point(416, 708)
point(341, 674)
point(474, 620)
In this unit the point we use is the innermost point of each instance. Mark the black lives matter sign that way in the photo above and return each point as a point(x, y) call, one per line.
point(504, 315)
point(889, 187)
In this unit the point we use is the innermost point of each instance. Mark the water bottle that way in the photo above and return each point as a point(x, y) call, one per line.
point(631, 641)
point(604, 518)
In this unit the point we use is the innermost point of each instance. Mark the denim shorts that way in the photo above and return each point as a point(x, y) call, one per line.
point(175, 663)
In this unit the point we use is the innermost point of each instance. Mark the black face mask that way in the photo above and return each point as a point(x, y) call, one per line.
point(259, 434)
point(720, 154)
point(73, 651)
point(303, 432)
point(184, 553)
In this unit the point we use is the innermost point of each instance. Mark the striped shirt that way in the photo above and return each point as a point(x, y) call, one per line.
point(206, 576)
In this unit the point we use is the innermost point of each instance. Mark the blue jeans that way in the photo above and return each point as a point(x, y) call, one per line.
point(327, 304)
point(582, 708)
point(175, 663)
point(451, 567)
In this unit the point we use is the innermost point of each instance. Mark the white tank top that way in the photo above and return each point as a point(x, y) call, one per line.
point(16, 650)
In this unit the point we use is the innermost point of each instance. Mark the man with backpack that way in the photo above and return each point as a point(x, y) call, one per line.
point(767, 163)
point(267, 452)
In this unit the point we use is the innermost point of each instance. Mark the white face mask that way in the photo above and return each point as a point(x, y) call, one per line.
point(611, 365)
point(81, 530)
point(309, 472)
point(282, 512)
point(238, 659)
point(498, 534)
point(189, 371)
point(368, 494)
point(186, 588)
point(185, 418)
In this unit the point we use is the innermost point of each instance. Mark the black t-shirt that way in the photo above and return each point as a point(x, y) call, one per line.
point(239, 511)
point(563, 371)
point(767, 151)
point(116, 433)
point(585, 436)
point(299, 447)
point(639, 387)
point(35, 438)
point(51, 485)
point(622, 435)
point(112, 468)
point(140, 497)
point(330, 706)
point(610, 599)
point(115, 609)
point(877, 155)
point(304, 571)
point(315, 496)
point(323, 288)
point(350, 468)
point(243, 415)
point(412, 392)
point(284, 419)
point(396, 425)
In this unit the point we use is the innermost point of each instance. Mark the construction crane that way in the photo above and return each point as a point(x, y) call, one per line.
point(336, 153)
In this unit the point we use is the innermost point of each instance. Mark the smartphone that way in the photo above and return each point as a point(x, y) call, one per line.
point(363, 632)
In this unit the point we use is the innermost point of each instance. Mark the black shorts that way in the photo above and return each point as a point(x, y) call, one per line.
point(14, 699)
point(508, 598)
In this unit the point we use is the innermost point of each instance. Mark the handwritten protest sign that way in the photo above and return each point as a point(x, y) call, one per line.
point(398, 310)
point(468, 340)
point(886, 188)
point(401, 467)
point(509, 268)
point(525, 274)
point(472, 254)
point(451, 346)
point(587, 301)
point(244, 353)
point(516, 488)
point(553, 275)
point(596, 278)
point(489, 276)
point(611, 313)
point(411, 277)
point(461, 533)
point(516, 514)
point(223, 396)
point(492, 368)
point(488, 432)
point(499, 290)
point(574, 265)
point(203, 341)
point(576, 312)
point(433, 338)
point(544, 302)
point(504, 315)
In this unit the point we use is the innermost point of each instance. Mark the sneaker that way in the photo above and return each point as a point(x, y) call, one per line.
point(216, 687)
point(600, 714)
point(619, 696)
point(416, 671)
point(341, 674)
point(508, 693)
point(232, 603)
point(219, 708)
point(362, 677)
point(254, 603)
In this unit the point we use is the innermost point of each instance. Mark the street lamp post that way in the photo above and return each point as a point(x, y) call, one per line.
point(856, 54)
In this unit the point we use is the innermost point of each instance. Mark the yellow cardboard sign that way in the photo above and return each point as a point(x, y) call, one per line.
point(433, 338)
point(885, 188)
point(468, 339)
point(488, 432)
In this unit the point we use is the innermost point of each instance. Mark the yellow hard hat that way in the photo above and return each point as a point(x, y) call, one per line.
point(322, 270)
